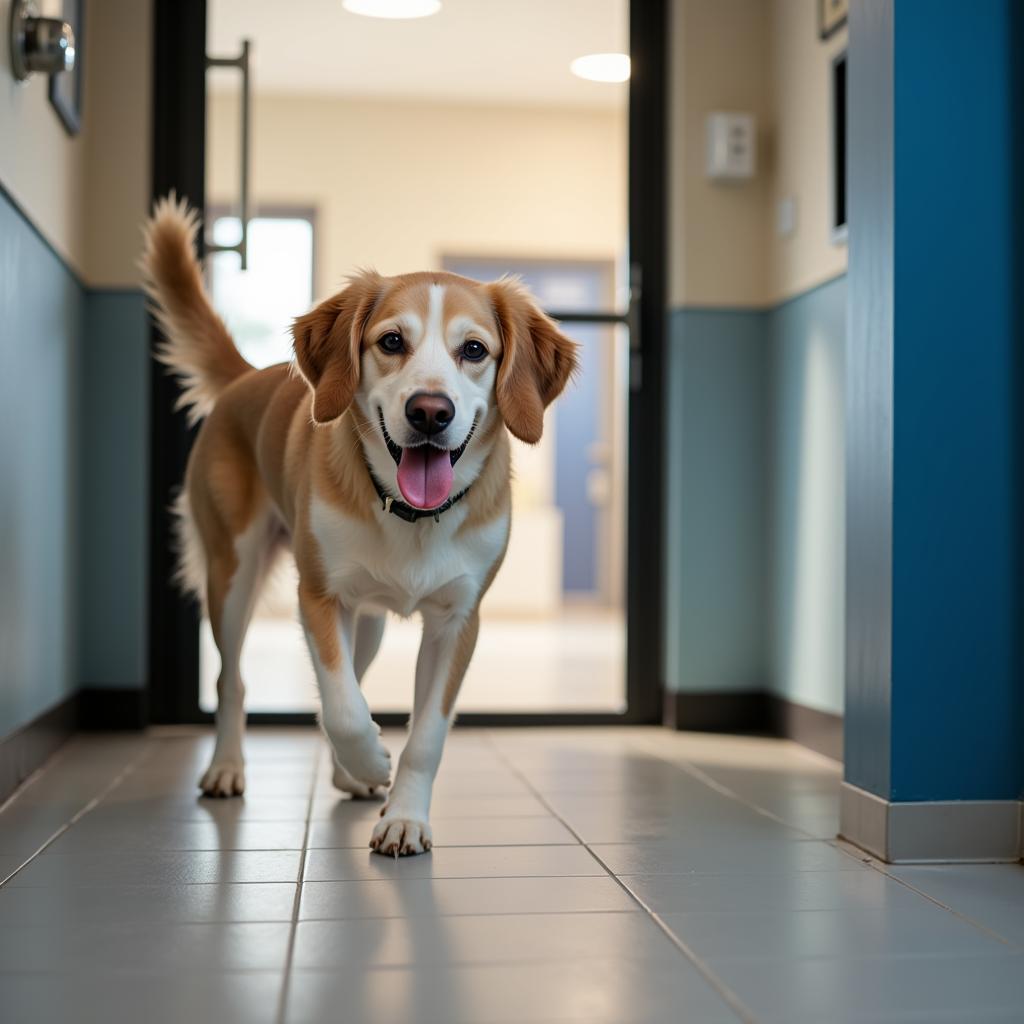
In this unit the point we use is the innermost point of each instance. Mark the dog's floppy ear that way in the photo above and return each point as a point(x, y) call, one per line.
point(536, 363)
point(328, 344)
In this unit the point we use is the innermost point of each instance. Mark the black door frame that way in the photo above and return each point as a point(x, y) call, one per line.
point(179, 132)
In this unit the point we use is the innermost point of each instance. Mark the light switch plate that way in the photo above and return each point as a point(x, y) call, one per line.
point(732, 146)
point(785, 217)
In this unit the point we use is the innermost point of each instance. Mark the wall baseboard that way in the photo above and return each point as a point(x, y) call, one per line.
point(755, 711)
point(113, 708)
point(716, 712)
point(821, 731)
point(932, 832)
point(26, 749)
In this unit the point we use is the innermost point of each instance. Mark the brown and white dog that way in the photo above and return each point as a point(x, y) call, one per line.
point(381, 456)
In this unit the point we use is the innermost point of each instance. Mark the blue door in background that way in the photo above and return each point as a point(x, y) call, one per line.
point(582, 445)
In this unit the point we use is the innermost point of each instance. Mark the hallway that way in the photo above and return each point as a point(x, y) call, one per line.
point(591, 875)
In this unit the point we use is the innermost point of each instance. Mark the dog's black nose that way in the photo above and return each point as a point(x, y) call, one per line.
point(429, 412)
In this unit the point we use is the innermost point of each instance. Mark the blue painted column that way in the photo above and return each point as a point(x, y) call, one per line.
point(934, 687)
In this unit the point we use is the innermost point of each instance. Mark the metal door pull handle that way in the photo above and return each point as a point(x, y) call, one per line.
point(46, 45)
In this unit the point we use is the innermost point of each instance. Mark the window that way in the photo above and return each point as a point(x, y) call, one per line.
point(260, 303)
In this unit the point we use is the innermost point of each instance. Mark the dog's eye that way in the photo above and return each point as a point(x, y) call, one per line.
point(473, 350)
point(391, 342)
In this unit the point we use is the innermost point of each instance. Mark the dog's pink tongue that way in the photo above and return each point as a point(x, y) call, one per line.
point(425, 476)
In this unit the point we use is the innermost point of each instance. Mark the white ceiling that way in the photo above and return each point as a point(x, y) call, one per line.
point(478, 51)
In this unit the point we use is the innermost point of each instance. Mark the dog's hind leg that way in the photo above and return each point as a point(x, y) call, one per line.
point(234, 576)
point(369, 631)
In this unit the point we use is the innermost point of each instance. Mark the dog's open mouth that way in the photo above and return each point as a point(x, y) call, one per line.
point(425, 471)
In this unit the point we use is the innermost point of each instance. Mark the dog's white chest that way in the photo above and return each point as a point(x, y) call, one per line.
point(404, 565)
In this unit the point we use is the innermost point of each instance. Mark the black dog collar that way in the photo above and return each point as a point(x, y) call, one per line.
point(407, 512)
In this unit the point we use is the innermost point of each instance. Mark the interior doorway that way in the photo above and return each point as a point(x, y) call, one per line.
point(565, 637)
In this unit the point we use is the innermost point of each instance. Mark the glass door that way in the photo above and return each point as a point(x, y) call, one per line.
point(467, 142)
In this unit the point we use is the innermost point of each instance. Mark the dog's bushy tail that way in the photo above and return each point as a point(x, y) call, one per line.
point(197, 346)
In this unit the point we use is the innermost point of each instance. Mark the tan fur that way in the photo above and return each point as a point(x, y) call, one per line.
point(460, 661)
point(467, 641)
point(196, 343)
point(320, 612)
point(491, 495)
point(537, 364)
point(328, 345)
point(290, 444)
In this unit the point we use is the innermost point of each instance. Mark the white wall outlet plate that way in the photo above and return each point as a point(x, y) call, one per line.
point(732, 146)
point(785, 217)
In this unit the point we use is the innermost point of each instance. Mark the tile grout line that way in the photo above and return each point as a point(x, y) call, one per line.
point(90, 805)
point(869, 862)
point(732, 1000)
point(35, 776)
point(282, 1006)
point(719, 787)
point(881, 868)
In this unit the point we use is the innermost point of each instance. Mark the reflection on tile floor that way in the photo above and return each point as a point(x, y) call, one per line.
point(589, 875)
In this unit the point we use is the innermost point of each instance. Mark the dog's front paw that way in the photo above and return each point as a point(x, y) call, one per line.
point(364, 757)
point(342, 779)
point(223, 778)
point(395, 836)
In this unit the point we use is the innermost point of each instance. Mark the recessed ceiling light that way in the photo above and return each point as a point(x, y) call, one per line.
point(393, 8)
point(602, 67)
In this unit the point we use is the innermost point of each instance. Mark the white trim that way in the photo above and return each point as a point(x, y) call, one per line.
point(940, 831)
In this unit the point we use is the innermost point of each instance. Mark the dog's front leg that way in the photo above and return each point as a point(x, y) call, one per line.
point(445, 651)
point(344, 714)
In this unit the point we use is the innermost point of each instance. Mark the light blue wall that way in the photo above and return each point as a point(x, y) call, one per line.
point(806, 486)
point(114, 509)
point(754, 535)
point(716, 586)
point(41, 307)
point(74, 400)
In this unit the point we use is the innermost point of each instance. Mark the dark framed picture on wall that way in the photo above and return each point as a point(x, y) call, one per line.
point(837, 227)
point(66, 87)
point(831, 16)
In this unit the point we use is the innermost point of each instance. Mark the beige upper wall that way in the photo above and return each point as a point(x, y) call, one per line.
point(763, 57)
point(801, 67)
point(40, 165)
point(87, 195)
point(397, 185)
point(118, 116)
point(719, 63)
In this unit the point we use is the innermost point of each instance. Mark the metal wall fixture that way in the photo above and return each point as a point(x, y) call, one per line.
point(241, 63)
point(630, 318)
point(44, 45)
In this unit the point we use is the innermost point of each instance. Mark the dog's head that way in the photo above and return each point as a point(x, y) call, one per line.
point(430, 360)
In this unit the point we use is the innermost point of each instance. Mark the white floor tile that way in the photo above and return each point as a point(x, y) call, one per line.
point(158, 905)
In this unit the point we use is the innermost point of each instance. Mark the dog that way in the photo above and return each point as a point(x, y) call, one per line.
point(381, 456)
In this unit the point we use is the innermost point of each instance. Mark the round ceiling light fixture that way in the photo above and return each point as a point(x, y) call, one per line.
point(602, 67)
point(393, 8)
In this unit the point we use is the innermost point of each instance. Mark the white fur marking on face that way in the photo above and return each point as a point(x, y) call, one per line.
point(463, 326)
point(435, 312)
point(410, 323)
point(432, 364)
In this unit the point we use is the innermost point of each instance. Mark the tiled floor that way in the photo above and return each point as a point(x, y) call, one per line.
point(591, 875)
